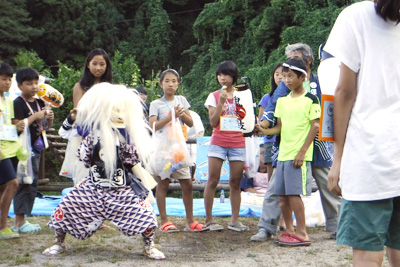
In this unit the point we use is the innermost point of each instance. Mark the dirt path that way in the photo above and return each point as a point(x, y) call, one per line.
point(226, 248)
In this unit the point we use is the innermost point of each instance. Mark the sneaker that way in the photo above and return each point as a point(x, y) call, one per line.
point(153, 253)
point(261, 236)
point(333, 236)
point(238, 227)
point(7, 233)
point(54, 250)
point(27, 227)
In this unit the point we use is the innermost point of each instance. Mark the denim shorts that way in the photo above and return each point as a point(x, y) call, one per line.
point(233, 154)
point(370, 225)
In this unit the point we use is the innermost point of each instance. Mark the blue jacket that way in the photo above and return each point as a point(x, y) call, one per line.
point(323, 150)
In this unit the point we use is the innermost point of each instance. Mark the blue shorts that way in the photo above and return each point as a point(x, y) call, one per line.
point(293, 181)
point(268, 152)
point(370, 225)
point(233, 154)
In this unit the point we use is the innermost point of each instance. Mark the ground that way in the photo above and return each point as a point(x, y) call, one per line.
point(226, 248)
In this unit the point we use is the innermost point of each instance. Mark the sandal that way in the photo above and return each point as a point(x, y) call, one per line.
point(27, 227)
point(153, 253)
point(214, 226)
point(293, 241)
point(237, 227)
point(169, 227)
point(54, 250)
point(196, 227)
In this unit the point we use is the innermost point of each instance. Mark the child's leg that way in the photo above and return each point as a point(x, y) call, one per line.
point(7, 193)
point(236, 171)
point(214, 172)
point(161, 194)
point(187, 196)
point(287, 211)
point(25, 196)
point(298, 208)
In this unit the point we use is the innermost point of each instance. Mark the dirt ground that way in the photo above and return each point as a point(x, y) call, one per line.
point(110, 248)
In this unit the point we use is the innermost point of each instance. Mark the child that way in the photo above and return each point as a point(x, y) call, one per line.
point(27, 106)
point(297, 122)
point(8, 151)
point(160, 117)
point(97, 69)
point(225, 143)
point(117, 136)
point(276, 79)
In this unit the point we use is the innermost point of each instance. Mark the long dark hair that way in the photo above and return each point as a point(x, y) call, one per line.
point(87, 79)
point(273, 84)
point(388, 9)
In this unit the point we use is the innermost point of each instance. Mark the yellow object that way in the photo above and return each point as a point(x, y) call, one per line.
point(167, 166)
point(50, 95)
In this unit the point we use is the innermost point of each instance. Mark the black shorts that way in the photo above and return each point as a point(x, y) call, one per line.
point(8, 170)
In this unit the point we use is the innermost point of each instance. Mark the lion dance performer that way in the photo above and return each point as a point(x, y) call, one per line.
point(114, 133)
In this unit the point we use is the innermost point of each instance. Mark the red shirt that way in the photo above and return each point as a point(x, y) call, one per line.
point(226, 138)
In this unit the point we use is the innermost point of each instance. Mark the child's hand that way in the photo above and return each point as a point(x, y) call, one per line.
point(20, 125)
point(74, 113)
point(40, 115)
point(223, 95)
point(179, 111)
point(50, 114)
point(298, 160)
point(258, 130)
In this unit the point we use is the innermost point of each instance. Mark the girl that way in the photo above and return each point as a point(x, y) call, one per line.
point(225, 143)
point(159, 118)
point(276, 79)
point(97, 69)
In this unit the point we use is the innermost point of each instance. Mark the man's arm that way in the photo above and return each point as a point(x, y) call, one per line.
point(345, 95)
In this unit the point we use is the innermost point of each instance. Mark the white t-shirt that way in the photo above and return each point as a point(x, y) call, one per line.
point(369, 46)
point(197, 129)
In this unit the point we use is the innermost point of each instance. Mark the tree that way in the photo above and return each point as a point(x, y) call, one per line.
point(72, 28)
point(15, 30)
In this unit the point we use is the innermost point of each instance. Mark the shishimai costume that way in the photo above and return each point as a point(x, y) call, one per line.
point(111, 121)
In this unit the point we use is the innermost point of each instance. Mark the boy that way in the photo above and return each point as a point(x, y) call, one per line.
point(8, 151)
point(297, 123)
point(27, 106)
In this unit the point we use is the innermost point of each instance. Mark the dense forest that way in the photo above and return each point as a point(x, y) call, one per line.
point(144, 37)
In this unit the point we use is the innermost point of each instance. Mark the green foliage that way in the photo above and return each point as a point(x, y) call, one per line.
point(16, 33)
point(29, 59)
point(149, 39)
point(125, 70)
point(75, 27)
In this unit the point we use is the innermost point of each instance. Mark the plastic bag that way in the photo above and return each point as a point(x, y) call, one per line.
point(24, 168)
point(171, 152)
point(252, 157)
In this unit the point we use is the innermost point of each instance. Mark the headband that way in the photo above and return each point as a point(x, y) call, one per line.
point(294, 68)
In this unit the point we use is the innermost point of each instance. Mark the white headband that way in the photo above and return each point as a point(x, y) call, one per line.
point(294, 68)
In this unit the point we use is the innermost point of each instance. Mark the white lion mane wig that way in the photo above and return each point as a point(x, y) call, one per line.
point(97, 109)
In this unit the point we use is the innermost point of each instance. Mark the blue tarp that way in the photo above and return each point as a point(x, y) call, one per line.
point(45, 206)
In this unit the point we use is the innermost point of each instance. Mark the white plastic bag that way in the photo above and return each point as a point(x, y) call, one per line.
point(171, 152)
point(252, 161)
point(24, 168)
